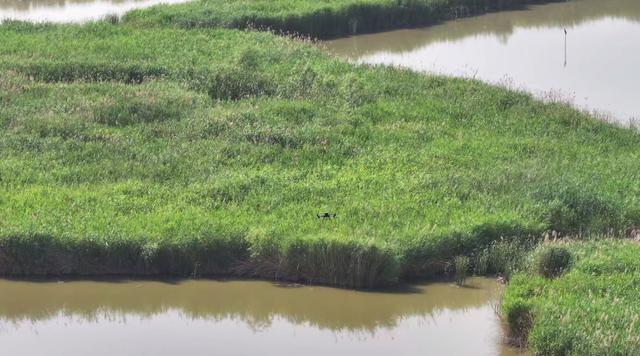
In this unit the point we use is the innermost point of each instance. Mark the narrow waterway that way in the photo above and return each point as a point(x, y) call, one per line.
point(595, 66)
point(70, 10)
point(78, 318)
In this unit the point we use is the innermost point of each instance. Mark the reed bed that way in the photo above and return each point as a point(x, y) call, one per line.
point(212, 151)
point(590, 309)
point(163, 144)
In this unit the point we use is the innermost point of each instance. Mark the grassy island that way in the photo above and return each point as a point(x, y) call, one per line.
point(169, 143)
point(212, 151)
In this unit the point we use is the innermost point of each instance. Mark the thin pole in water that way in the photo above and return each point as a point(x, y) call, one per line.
point(565, 48)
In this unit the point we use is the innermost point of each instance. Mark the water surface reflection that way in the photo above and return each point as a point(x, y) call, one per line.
point(70, 10)
point(245, 318)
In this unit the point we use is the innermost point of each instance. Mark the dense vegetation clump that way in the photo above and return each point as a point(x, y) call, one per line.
point(552, 261)
point(591, 309)
point(503, 257)
point(461, 268)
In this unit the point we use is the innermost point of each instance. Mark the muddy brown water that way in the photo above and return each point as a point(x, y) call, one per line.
point(70, 10)
point(205, 317)
point(525, 49)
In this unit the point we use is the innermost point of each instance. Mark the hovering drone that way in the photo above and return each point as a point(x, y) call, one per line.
point(326, 216)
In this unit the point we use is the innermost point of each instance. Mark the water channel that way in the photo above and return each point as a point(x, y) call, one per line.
point(238, 317)
point(594, 66)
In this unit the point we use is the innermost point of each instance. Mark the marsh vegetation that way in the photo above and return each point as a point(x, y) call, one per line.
point(589, 309)
point(170, 143)
point(195, 152)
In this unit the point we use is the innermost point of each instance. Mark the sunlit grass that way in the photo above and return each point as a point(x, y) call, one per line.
point(592, 309)
point(211, 151)
point(144, 148)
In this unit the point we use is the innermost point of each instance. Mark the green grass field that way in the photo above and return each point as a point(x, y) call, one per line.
point(169, 151)
point(162, 145)
point(592, 309)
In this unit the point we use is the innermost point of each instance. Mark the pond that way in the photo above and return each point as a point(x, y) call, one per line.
point(205, 317)
point(594, 66)
point(70, 10)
